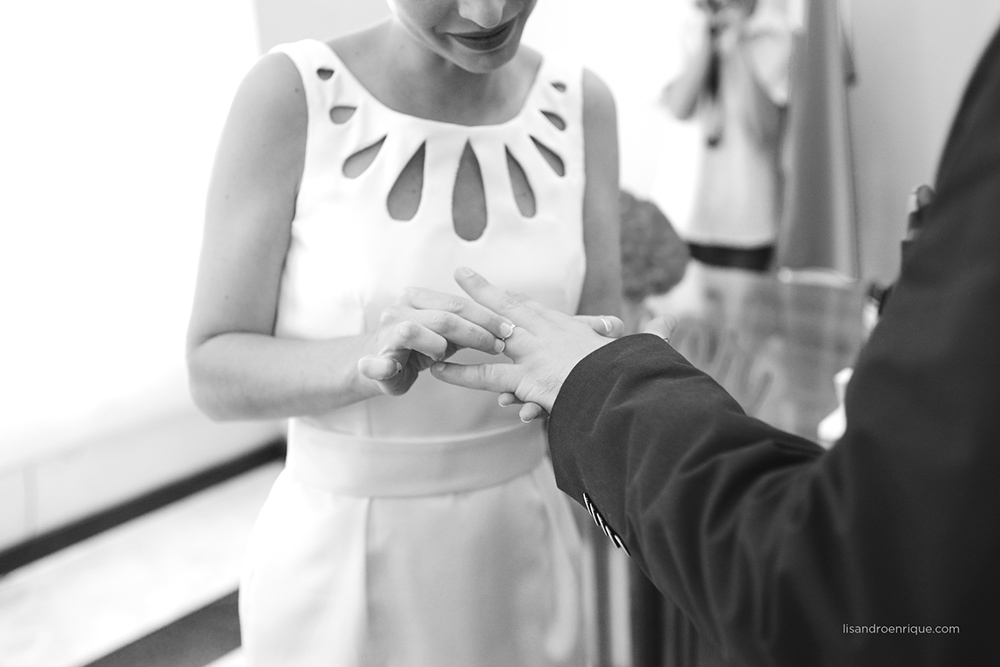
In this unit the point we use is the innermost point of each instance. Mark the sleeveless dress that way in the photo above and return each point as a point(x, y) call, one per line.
point(423, 530)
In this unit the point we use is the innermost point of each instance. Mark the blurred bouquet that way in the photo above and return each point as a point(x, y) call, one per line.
point(654, 257)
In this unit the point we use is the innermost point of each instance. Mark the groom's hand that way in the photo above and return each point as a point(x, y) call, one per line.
point(545, 345)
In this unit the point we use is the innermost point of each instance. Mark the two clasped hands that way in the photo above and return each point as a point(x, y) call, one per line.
point(428, 327)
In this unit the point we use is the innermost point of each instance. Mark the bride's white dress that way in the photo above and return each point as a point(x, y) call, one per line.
point(423, 530)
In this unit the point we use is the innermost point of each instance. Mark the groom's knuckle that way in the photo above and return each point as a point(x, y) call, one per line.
point(487, 374)
point(481, 373)
point(509, 302)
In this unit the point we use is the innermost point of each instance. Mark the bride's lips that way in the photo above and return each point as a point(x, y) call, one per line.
point(485, 40)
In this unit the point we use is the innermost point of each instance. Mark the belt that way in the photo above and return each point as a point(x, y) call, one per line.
point(359, 466)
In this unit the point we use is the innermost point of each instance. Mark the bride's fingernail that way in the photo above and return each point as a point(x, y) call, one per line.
point(500, 346)
point(506, 330)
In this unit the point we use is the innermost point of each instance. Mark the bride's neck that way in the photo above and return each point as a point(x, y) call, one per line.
point(410, 78)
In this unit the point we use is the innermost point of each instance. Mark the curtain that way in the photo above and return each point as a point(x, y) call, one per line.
point(819, 225)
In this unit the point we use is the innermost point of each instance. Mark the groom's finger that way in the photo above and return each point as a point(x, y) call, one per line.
point(497, 378)
point(663, 326)
point(608, 326)
point(536, 306)
point(494, 298)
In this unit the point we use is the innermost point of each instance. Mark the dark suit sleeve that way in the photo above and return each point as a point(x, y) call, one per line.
point(772, 546)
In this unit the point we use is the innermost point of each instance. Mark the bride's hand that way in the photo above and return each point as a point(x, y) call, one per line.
point(422, 327)
point(544, 347)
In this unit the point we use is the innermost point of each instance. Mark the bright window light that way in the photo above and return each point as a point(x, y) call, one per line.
point(110, 118)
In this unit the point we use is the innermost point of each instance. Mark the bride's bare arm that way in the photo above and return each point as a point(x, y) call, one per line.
point(237, 368)
point(602, 285)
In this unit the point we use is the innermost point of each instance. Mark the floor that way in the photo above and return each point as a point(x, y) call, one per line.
point(159, 590)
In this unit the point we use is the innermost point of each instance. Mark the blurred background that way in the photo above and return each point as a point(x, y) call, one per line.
point(108, 126)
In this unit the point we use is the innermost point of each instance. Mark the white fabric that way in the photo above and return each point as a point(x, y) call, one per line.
point(361, 466)
point(423, 530)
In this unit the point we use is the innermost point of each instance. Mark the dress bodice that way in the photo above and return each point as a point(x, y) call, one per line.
point(349, 256)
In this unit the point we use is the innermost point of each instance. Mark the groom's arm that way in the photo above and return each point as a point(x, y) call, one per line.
point(671, 464)
point(780, 553)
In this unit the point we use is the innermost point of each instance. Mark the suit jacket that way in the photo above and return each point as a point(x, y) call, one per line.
point(884, 550)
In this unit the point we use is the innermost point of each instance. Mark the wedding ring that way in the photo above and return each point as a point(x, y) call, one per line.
point(607, 325)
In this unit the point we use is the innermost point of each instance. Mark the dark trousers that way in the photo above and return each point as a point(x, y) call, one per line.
point(752, 259)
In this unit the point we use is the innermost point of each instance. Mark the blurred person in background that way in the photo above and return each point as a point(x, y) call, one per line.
point(734, 81)
point(415, 523)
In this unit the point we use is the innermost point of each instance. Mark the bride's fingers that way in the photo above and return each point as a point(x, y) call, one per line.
point(407, 336)
point(495, 299)
point(530, 412)
point(507, 399)
point(461, 316)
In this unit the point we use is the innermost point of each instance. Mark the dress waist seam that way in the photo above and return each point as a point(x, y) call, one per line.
point(351, 465)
